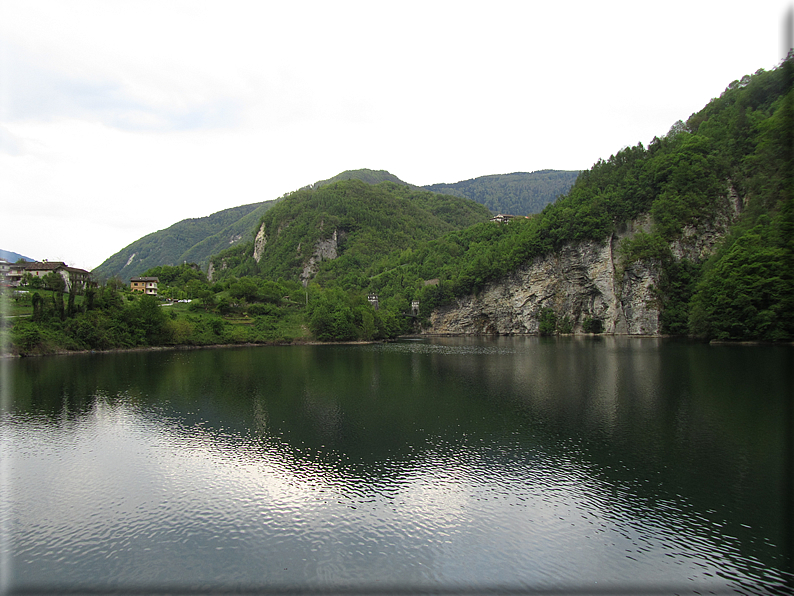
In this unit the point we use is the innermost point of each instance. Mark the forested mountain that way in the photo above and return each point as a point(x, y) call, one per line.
point(520, 193)
point(692, 235)
point(736, 151)
point(339, 230)
point(196, 240)
point(190, 240)
point(13, 257)
point(365, 175)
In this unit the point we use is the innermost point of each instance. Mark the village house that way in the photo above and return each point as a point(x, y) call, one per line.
point(5, 267)
point(147, 285)
point(72, 276)
point(502, 218)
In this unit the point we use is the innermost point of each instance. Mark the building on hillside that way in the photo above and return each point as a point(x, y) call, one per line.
point(5, 267)
point(13, 276)
point(72, 276)
point(147, 285)
point(502, 218)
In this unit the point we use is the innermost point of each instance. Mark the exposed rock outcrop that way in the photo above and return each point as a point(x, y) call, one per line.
point(578, 282)
point(324, 250)
point(583, 280)
point(211, 269)
point(259, 243)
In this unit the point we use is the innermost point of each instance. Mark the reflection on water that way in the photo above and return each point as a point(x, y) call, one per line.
point(517, 463)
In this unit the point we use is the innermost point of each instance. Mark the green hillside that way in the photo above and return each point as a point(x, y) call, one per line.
point(520, 193)
point(740, 142)
point(13, 257)
point(368, 221)
point(407, 244)
point(365, 175)
point(190, 240)
point(196, 240)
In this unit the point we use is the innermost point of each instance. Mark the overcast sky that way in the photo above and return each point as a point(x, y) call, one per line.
point(118, 119)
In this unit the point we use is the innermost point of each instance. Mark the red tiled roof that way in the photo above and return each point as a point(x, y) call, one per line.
point(49, 266)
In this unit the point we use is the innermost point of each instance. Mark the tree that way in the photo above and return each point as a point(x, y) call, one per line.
point(70, 308)
point(548, 322)
point(245, 289)
point(590, 325)
point(223, 307)
point(368, 329)
point(57, 303)
point(38, 307)
point(32, 281)
point(146, 320)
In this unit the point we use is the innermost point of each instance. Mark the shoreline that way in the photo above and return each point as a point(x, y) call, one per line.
point(186, 347)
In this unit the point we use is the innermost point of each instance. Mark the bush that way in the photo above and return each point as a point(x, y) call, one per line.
point(548, 321)
point(592, 325)
point(26, 336)
point(258, 310)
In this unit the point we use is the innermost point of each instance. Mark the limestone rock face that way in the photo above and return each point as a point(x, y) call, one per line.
point(324, 250)
point(697, 241)
point(578, 282)
point(259, 243)
point(211, 269)
point(583, 280)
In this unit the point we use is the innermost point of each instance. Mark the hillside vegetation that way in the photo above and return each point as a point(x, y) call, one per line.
point(363, 222)
point(520, 193)
point(742, 142)
point(405, 244)
point(13, 257)
point(190, 240)
point(196, 240)
point(365, 175)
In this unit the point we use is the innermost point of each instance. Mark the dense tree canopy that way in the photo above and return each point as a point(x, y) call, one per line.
point(370, 222)
point(520, 193)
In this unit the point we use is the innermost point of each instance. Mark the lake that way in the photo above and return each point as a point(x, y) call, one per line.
point(574, 465)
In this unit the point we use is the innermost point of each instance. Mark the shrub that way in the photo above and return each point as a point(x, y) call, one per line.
point(592, 325)
point(548, 321)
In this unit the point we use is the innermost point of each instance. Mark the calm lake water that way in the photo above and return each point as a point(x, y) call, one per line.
point(439, 465)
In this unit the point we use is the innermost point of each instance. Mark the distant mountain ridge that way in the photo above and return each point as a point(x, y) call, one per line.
point(190, 240)
point(13, 257)
point(365, 175)
point(519, 193)
point(339, 229)
point(197, 240)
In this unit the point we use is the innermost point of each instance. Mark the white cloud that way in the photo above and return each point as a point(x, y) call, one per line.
point(9, 143)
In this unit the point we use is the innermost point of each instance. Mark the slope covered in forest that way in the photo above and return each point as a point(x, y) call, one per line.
point(695, 230)
point(738, 148)
point(519, 193)
point(336, 232)
point(364, 174)
point(190, 240)
point(196, 240)
point(691, 235)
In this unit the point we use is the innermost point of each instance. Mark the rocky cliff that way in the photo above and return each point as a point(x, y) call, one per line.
point(585, 280)
point(324, 250)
